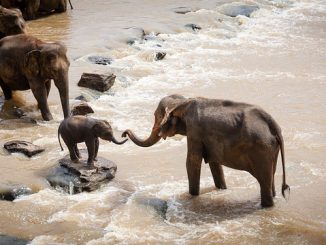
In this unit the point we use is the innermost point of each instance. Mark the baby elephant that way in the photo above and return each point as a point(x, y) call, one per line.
point(77, 129)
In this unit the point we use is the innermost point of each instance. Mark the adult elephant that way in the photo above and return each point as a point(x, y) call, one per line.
point(236, 135)
point(11, 22)
point(29, 63)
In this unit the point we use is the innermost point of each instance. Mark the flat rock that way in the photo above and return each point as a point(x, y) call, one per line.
point(24, 147)
point(10, 192)
point(10, 240)
point(99, 82)
point(78, 177)
point(99, 60)
point(81, 108)
point(235, 9)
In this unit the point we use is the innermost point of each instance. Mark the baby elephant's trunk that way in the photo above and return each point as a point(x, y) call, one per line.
point(118, 142)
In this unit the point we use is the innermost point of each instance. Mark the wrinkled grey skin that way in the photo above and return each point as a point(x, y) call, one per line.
point(222, 132)
point(77, 129)
point(30, 8)
point(28, 63)
point(11, 22)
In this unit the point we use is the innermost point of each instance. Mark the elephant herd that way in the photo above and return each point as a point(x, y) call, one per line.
point(220, 132)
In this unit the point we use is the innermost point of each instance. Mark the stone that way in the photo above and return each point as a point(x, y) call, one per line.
point(99, 60)
point(193, 27)
point(81, 108)
point(158, 205)
point(99, 82)
point(10, 240)
point(24, 147)
point(182, 10)
point(81, 98)
point(10, 192)
point(235, 9)
point(159, 55)
point(78, 177)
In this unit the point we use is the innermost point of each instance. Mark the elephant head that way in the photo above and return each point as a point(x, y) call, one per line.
point(103, 130)
point(49, 62)
point(11, 22)
point(168, 121)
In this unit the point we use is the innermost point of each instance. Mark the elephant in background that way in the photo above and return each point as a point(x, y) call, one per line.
point(11, 22)
point(29, 63)
point(237, 135)
point(30, 8)
point(77, 129)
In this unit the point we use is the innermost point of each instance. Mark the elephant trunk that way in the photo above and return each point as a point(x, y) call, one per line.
point(63, 86)
point(118, 142)
point(151, 140)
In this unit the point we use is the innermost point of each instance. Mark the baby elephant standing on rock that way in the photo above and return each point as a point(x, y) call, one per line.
point(77, 129)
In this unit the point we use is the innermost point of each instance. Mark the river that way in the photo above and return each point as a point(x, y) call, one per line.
point(275, 59)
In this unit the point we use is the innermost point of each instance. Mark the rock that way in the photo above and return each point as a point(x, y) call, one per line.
point(11, 192)
point(81, 98)
point(235, 9)
point(78, 177)
point(182, 10)
point(99, 60)
point(193, 27)
point(159, 205)
point(159, 55)
point(99, 82)
point(81, 108)
point(24, 147)
point(10, 240)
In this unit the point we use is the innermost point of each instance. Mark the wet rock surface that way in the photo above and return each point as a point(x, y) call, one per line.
point(10, 192)
point(235, 9)
point(158, 205)
point(159, 55)
point(99, 60)
point(182, 10)
point(78, 177)
point(99, 82)
point(24, 147)
point(81, 108)
point(10, 240)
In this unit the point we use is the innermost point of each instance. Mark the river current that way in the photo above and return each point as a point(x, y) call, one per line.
point(275, 59)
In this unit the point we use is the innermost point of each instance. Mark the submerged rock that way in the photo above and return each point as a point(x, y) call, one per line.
point(193, 27)
point(99, 60)
point(235, 9)
point(24, 147)
point(99, 82)
point(78, 177)
point(81, 108)
point(159, 55)
point(10, 240)
point(11, 192)
point(182, 10)
point(159, 205)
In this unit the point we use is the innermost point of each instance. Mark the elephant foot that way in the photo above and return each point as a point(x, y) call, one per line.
point(267, 202)
point(95, 159)
point(221, 186)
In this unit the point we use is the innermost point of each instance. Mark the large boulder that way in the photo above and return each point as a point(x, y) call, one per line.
point(81, 108)
point(99, 82)
point(78, 177)
point(24, 147)
point(237, 8)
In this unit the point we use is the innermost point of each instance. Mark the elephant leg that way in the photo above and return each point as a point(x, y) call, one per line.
point(40, 94)
point(48, 87)
point(96, 149)
point(274, 170)
point(6, 90)
point(218, 175)
point(77, 151)
point(194, 159)
point(90, 143)
point(71, 147)
point(32, 8)
point(62, 6)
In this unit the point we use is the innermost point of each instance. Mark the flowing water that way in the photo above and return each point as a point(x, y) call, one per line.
point(276, 59)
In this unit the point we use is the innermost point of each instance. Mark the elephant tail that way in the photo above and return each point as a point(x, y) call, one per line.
point(285, 187)
point(59, 138)
point(71, 5)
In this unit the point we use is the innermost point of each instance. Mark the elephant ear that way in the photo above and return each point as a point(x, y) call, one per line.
point(32, 62)
point(177, 111)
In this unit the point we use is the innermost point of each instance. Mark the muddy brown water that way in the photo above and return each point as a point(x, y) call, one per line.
point(276, 59)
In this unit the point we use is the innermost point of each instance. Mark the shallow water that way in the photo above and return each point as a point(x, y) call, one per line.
point(275, 59)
